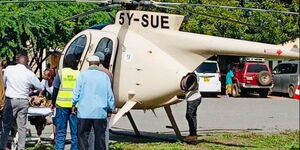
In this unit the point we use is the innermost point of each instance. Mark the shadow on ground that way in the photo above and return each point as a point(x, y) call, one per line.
point(128, 136)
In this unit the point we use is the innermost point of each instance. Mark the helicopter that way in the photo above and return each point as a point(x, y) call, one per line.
point(148, 55)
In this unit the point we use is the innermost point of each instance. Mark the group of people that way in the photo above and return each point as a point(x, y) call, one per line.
point(83, 99)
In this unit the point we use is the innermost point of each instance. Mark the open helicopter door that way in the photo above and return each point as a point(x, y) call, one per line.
point(105, 42)
point(73, 55)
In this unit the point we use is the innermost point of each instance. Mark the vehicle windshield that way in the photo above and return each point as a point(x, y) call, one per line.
point(207, 67)
point(257, 68)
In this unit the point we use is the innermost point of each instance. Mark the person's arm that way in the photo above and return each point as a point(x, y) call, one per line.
point(77, 90)
point(56, 85)
point(42, 92)
point(35, 82)
point(110, 98)
point(76, 94)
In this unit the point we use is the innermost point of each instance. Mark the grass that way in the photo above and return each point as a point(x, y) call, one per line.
point(287, 140)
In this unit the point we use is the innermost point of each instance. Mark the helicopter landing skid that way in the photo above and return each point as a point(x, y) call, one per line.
point(173, 122)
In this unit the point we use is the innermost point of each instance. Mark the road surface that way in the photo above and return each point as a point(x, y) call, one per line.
point(215, 114)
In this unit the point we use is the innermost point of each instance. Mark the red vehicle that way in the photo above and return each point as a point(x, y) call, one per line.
point(252, 76)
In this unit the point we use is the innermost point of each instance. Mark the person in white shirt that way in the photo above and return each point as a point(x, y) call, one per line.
point(193, 98)
point(18, 80)
point(47, 82)
point(48, 77)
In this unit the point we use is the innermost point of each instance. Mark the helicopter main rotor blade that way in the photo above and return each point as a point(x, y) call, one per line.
point(225, 7)
point(57, 1)
point(90, 12)
point(232, 20)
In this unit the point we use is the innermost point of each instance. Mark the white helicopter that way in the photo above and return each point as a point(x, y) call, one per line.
point(148, 55)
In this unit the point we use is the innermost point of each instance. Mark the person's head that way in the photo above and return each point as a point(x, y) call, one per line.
point(69, 62)
point(48, 74)
point(20, 53)
point(94, 60)
point(22, 59)
point(101, 56)
point(229, 67)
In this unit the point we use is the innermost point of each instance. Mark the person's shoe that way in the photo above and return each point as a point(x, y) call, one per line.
point(190, 139)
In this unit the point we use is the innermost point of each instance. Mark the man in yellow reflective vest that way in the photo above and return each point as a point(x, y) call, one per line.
point(63, 85)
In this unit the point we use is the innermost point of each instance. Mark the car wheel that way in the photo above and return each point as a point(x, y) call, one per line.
point(264, 78)
point(291, 91)
point(235, 90)
point(263, 93)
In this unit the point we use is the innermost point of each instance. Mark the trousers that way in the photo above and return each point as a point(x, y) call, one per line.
point(62, 117)
point(191, 115)
point(92, 137)
point(14, 109)
point(84, 129)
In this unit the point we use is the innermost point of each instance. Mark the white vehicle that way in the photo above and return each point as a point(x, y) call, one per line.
point(209, 77)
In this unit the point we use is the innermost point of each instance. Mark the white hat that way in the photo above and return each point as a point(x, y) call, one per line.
point(93, 58)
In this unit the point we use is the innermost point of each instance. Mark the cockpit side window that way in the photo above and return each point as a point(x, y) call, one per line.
point(74, 52)
point(105, 46)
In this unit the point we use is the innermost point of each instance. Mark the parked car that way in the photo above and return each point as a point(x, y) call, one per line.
point(252, 76)
point(286, 76)
point(209, 77)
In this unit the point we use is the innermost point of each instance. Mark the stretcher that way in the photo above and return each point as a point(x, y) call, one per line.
point(33, 112)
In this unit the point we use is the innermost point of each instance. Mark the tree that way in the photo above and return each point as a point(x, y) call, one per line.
point(264, 27)
point(35, 26)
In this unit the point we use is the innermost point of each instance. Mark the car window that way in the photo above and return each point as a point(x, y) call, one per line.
point(279, 69)
point(287, 68)
point(105, 46)
point(74, 52)
point(257, 68)
point(207, 67)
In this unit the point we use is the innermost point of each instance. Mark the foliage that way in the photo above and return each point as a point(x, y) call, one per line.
point(35, 26)
point(42, 147)
point(264, 27)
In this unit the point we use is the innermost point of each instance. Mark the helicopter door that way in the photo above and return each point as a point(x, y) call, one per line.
point(107, 44)
point(73, 55)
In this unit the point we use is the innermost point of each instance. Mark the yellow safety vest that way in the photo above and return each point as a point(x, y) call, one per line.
point(68, 79)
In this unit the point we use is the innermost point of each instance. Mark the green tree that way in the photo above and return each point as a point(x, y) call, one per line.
point(35, 26)
point(264, 27)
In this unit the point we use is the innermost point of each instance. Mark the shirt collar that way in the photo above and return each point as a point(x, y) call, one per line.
point(93, 67)
point(21, 65)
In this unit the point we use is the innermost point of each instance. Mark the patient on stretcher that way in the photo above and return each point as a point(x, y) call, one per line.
point(37, 113)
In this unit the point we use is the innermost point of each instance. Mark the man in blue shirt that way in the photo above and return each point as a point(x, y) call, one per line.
point(95, 100)
point(229, 76)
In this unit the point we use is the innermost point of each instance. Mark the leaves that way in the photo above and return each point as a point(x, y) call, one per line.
point(265, 27)
point(35, 25)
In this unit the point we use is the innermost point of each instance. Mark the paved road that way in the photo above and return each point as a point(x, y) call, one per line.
point(214, 114)
point(269, 115)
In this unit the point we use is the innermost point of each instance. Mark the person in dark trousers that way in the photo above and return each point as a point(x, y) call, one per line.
point(94, 97)
point(193, 98)
point(110, 75)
